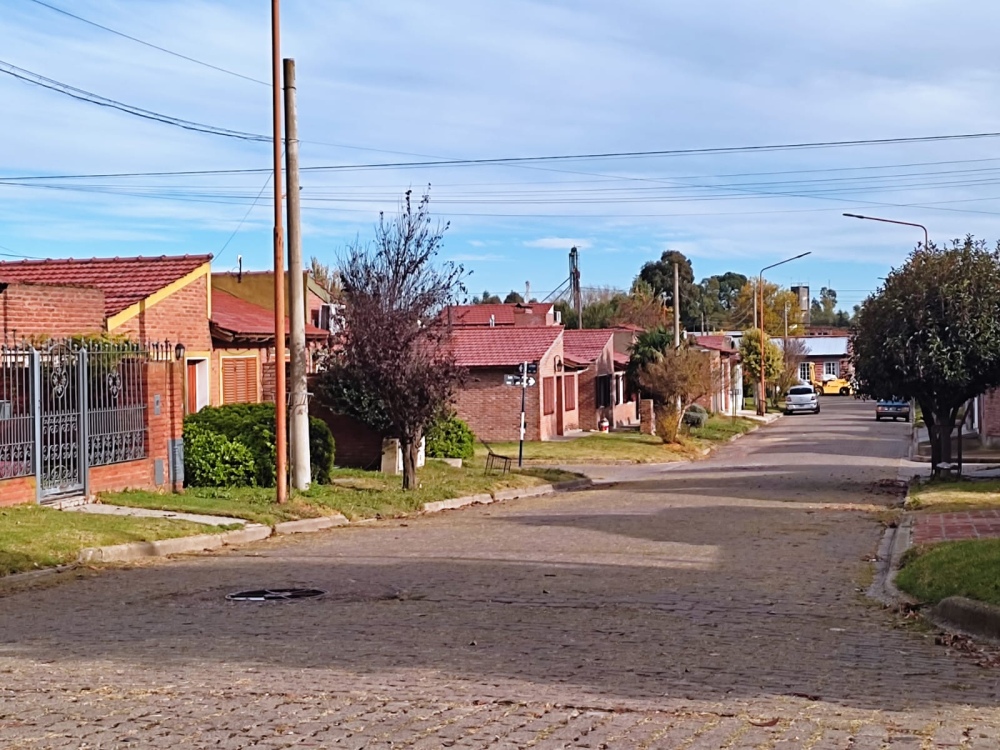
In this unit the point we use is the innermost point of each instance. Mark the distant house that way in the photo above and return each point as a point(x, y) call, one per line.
point(491, 407)
point(830, 356)
point(502, 316)
point(725, 354)
point(601, 380)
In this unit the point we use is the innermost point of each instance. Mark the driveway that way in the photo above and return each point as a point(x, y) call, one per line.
point(710, 605)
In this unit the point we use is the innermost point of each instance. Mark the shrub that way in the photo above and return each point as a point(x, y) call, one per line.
point(253, 426)
point(695, 416)
point(450, 437)
point(213, 460)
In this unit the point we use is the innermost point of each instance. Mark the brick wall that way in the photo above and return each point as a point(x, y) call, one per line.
point(17, 491)
point(357, 446)
point(990, 419)
point(42, 310)
point(492, 409)
point(182, 316)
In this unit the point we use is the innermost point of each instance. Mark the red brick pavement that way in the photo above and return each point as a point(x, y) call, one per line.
point(949, 527)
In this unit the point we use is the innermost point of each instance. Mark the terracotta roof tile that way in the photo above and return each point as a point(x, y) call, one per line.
point(500, 347)
point(503, 315)
point(124, 281)
point(237, 318)
point(718, 343)
point(585, 346)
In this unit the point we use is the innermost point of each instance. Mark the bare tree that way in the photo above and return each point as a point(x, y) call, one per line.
point(396, 360)
point(679, 378)
point(325, 276)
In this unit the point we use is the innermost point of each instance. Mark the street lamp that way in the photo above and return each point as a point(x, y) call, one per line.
point(761, 402)
point(893, 221)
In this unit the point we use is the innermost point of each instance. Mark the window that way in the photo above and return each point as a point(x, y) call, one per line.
point(570, 398)
point(549, 395)
point(619, 389)
point(804, 371)
point(602, 397)
point(239, 380)
point(831, 368)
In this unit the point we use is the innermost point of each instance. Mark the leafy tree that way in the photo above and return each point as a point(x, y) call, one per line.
point(932, 333)
point(776, 301)
point(717, 299)
point(674, 381)
point(793, 353)
point(395, 346)
point(486, 299)
point(567, 314)
point(513, 298)
point(649, 346)
point(659, 274)
point(750, 355)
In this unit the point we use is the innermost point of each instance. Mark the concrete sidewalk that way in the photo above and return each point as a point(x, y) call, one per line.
point(120, 510)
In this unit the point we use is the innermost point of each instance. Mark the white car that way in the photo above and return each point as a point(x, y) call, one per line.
point(801, 398)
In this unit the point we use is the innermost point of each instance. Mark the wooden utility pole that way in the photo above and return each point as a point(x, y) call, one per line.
point(677, 307)
point(280, 426)
point(299, 401)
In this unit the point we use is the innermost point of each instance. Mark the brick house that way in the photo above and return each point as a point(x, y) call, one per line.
point(726, 361)
point(491, 408)
point(829, 355)
point(601, 381)
point(502, 316)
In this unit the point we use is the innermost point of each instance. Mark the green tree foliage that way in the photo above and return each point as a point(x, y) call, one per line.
point(649, 347)
point(677, 379)
point(486, 299)
point(932, 333)
point(395, 347)
point(513, 298)
point(717, 297)
point(777, 300)
point(750, 355)
point(213, 460)
point(567, 314)
point(659, 274)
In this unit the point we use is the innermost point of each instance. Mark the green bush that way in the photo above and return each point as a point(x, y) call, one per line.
point(696, 416)
point(253, 425)
point(450, 437)
point(213, 460)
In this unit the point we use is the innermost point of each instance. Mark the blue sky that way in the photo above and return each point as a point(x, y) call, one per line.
point(403, 81)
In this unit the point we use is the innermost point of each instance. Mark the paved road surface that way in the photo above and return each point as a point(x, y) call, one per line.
point(714, 605)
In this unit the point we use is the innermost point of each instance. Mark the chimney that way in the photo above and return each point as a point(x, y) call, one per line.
point(558, 317)
point(493, 321)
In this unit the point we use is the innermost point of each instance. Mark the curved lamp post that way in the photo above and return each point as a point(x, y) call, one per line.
point(762, 401)
point(893, 221)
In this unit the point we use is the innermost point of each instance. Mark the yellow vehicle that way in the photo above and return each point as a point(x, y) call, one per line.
point(829, 385)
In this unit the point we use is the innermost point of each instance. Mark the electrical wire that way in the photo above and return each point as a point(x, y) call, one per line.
point(149, 44)
point(88, 96)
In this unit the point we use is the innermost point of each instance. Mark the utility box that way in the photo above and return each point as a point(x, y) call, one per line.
point(392, 456)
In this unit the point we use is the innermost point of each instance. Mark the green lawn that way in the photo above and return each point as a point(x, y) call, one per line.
point(597, 448)
point(35, 537)
point(968, 568)
point(949, 495)
point(356, 494)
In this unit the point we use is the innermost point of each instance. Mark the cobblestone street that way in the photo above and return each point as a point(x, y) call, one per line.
point(712, 605)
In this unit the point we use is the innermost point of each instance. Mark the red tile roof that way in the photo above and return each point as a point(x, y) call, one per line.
point(621, 359)
point(124, 281)
point(585, 346)
point(503, 315)
point(718, 343)
point(234, 318)
point(500, 347)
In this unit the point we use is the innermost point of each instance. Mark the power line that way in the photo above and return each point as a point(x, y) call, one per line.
point(149, 44)
point(509, 160)
point(103, 101)
point(245, 216)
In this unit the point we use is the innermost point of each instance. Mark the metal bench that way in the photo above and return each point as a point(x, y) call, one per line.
point(496, 462)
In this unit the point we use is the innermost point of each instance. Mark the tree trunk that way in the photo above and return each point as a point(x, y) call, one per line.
point(933, 436)
point(409, 448)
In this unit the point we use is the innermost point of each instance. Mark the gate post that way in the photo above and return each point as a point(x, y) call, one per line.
point(35, 378)
point(84, 429)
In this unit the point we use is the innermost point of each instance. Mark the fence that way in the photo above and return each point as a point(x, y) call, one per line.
point(70, 405)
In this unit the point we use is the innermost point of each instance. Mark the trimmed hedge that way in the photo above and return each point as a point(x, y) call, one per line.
point(213, 460)
point(253, 426)
point(696, 416)
point(450, 437)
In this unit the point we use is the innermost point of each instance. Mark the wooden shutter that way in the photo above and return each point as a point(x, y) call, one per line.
point(239, 380)
point(570, 385)
point(548, 395)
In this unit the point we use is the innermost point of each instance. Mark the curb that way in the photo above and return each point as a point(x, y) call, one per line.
point(895, 542)
point(511, 494)
point(967, 616)
point(163, 547)
point(308, 525)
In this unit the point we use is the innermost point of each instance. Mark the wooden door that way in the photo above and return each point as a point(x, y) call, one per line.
point(192, 387)
point(560, 407)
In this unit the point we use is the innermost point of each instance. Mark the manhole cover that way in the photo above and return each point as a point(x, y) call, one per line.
point(274, 595)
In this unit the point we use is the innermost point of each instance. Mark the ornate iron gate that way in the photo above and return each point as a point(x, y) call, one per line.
point(68, 407)
point(62, 403)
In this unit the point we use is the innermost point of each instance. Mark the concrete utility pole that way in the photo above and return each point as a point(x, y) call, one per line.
point(280, 414)
point(677, 307)
point(299, 402)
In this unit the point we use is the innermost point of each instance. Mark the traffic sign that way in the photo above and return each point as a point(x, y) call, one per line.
point(531, 366)
point(515, 380)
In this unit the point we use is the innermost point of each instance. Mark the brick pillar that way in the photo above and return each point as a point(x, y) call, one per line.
point(647, 417)
point(165, 419)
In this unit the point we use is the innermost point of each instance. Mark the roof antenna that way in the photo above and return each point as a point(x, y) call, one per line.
point(239, 275)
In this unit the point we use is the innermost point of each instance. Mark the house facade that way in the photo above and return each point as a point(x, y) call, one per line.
point(725, 353)
point(601, 379)
point(492, 407)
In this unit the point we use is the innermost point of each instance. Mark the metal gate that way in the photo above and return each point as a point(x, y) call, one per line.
point(70, 406)
point(62, 403)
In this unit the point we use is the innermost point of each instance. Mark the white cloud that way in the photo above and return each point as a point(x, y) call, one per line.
point(558, 243)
